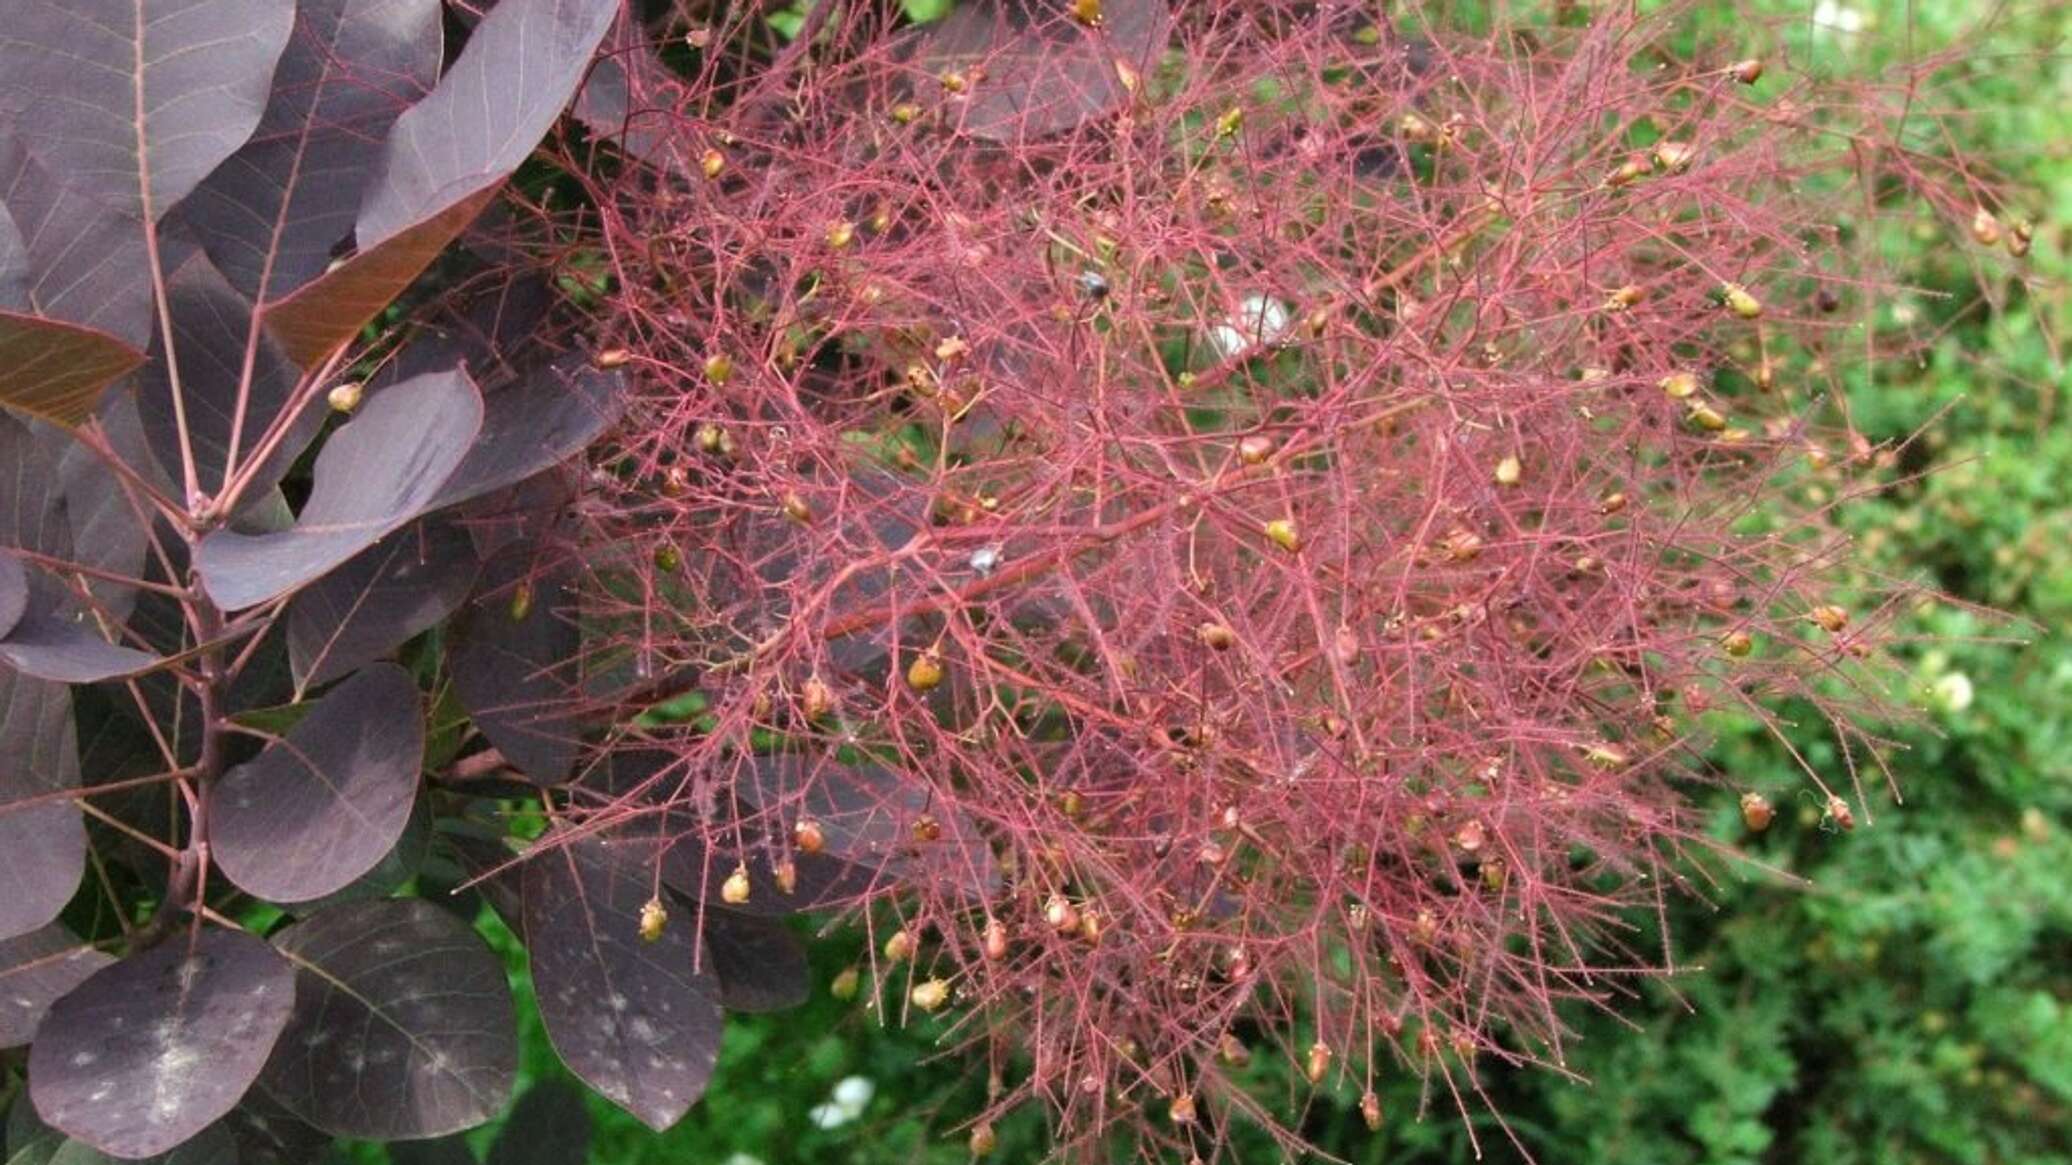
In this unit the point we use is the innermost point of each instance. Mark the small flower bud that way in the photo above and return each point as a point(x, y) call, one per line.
point(1830, 617)
point(1217, 636)
point(994, 941)
point(841, 234)
point(1370, 1111)
point(808, 836)
point(1756, 811)
point(654, 918)
point(1680, 385)
point(1232, 120)
point(1061, 915)
point(787, 873)
point(1675, 157)
point(982, 1140)
point(1738, 643)
point(611, 358)
point(734, 891)
point(1318, 1062)
point(1283, 534)
point(1985, 228)
point(900, 947)
point(1255, 449)
point(796, 508)
point(1622, 298)
point(1838, 810)
point(719, 369)
point(1510, 471)
point(1087, 12)
point(1741, 303)
point(930, 994)
point(816, 699)
point(713, 164)
point(1747, 72)
point(1613, 502)
point(1182, 1110)
point(521, 602)
point(845, 984)
point(925, 673)
point(344, 398)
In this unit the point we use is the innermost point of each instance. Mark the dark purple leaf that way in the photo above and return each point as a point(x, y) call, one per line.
point(374, 474)
point(106, 532)
point(446, 157)
point(267, 1134)
point(396, 588)
point(36, 969)
point(513, 657)
point(403, 1024)
point(549, 1126)
point(271, 215)
point(149, 1051)
point(42, 848)
point(212, 329)
point(397, 866)
point(50, 646)
point(630, 98)
point(135, 101)
point(537, 423)
point(327, 802)
point(1045, 72)
point(867, 814)
point(212, 1146)
point(14, 592)
point(761, 965)
point(85, 259)
point(484, 334)
point(629, 1016)
point(14, 265)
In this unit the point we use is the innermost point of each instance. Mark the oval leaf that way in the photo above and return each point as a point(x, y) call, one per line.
point(148, 1052)
point(404, 584)
point(1045, 71)
point(513, 661)
point(761, 965)
point(538, 423)
point(42, 848)
point(14, 592)
point(137, 100)
point(213, 1146)
point(66, 651)
point(326, 803)
point(403, 1024)
point(36, 969)
point(374, 474)
point(629, 1016)
point(549, 1126)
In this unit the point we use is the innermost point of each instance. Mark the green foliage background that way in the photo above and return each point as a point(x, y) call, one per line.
point(1915, 1003)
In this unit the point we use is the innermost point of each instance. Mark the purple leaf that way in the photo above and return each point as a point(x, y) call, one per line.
point(212, 330)
point(14, 265)
point(549, 1126)
point(324, 804)
point(1045, 72)
point(761, 965)
point(630, 98)
point(149, 1051)
point(14, 592)
point(84, 257)
point(375, 473)
point(537, 423)
point(136, 100)
point(42, 848)
point(212, 1146)
point(513, 654)
point(57, 370)
point(867, 815)
point(446, 157)
point(629, 1016)
point(267, 1134)
point(272, 213)
point(49, 646)
point(36, 969)
point(389, 592)
point(106, 532)
point(403, 1024)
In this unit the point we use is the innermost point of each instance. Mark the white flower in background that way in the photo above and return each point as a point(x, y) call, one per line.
point(1953, 691)
point(1259, 319)
point(851, 1096)
point(742, 1159)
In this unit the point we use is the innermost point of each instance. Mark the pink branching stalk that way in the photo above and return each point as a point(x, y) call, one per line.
point(1266, 496)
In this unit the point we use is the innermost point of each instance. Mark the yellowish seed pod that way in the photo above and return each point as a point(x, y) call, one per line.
point(1605, 756)
point(1622, 298)
point(1738, 643)
point(1416, 129)
point(713, 163)
point(796, 508)
point(1675, 157)
point(982, 1140)
point(734, 891)
point(521, 602)
point(1182, 1110)
point(953, 81)
point(1510, 471)
point(1985, 228)
point(1741, 303)
point(719, 369)
point(1756, 811)
point(1255, 449)
point(925, 673)
point(994, 942)
point(905, 112)
point(668, 558)
point(1708, 418)
point(816, 699)
point(1232, 1051)
point(2019, 237)
point(1216, 636)
point(344, 398)
point(845, 984)
point(1061, 915)
point(1370, 1110)
point(900, 947)
point(1471, 836)
point(930, 994)
point(787, 872)
point(1087, 12)
point(1232, 120)
point(1747, 72)
point(611, 358)
point(841, 234)
point(710, 438)
point(1830, 617)
point(1628, 172)
point(1838, 811)
point(654, 919)
point(1613, 502)
point(1284, 535)
point(1318, 1062)
point(807, 835)
point(1680, 385)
